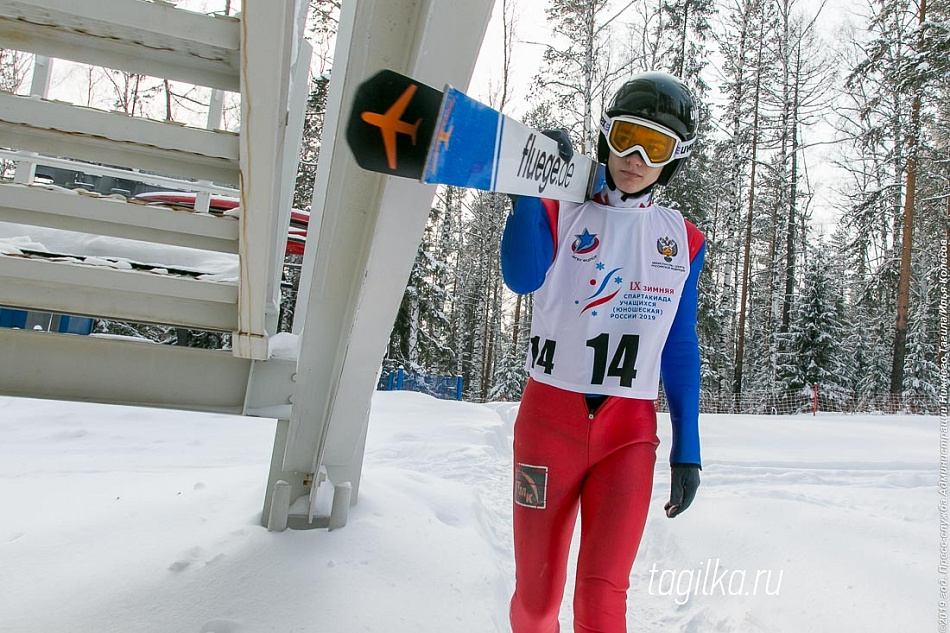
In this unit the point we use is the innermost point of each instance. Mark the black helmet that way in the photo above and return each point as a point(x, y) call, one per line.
point(657, 97)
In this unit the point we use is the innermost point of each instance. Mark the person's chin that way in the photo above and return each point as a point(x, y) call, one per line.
point(632, 185)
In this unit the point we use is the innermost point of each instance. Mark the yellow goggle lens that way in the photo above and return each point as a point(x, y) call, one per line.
point(625, 135)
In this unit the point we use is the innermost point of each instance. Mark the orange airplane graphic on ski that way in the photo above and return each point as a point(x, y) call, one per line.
point(390, 124)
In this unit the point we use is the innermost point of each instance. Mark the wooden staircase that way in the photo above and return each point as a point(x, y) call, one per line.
point(259, 162)
point(363, 233)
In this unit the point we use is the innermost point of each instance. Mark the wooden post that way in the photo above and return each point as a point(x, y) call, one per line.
point(279, 507)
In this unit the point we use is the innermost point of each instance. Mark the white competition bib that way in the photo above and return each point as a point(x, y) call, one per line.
point(602, 316)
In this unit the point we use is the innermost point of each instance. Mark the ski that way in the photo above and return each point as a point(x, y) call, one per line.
point(401, 127)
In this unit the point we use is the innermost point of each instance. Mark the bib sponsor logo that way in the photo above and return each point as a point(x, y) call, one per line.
point(531, 486)
point(667, 247)
point(585, 243)
point(605, 290)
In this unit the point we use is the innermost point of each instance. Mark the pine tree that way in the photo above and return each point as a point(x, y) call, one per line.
point(815, 354)
point(683, 37)
point(311, 140)
point(798, 97)
point(450, 242)
point(687, 28)
point(893, 55)
point(510, 374)
point(921, 372)
point(748, 63)
point(898, 70)
point(715, 342)
point(418, 339)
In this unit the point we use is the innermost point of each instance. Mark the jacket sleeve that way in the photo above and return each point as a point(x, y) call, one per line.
point(679, 367)
point(528, 244)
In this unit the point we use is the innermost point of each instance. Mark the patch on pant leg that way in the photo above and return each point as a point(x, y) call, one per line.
point(531, 486)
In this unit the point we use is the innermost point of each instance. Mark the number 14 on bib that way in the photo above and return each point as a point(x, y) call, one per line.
point(623, 357)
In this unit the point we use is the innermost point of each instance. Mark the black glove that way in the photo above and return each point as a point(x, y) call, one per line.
point(684, 482)
point(564, 147)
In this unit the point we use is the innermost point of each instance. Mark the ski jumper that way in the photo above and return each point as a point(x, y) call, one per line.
point(615, 308)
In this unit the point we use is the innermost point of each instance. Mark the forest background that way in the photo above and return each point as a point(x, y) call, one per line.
point(821, 181)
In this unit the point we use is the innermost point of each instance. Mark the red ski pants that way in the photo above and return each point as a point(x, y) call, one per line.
point(565, 459)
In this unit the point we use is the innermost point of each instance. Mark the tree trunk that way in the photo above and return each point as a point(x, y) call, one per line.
point(907, 236)
point(682, 59)
point(747, 252)
point(489, 354)
point(517, 323)
point(589, 78)
point(791, 223)
point(168, 101)
point(507, 33)
point(413, 342)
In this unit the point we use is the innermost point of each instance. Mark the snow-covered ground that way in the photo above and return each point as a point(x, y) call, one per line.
point(133, 520)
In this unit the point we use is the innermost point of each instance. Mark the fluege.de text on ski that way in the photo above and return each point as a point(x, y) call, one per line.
point(544, 168)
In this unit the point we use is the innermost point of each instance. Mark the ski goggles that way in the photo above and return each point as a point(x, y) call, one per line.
point(657, 145)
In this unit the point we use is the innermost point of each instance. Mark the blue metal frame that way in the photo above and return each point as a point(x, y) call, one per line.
point(66, 324)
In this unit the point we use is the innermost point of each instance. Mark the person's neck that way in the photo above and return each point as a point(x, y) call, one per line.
point(617, 198)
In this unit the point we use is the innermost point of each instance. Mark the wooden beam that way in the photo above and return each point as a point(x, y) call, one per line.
point(265, 79)
point(125, 295)
point(370, 229)
point(83, 214)
point(94, 369)
point(140, 37)
point(118, 139)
